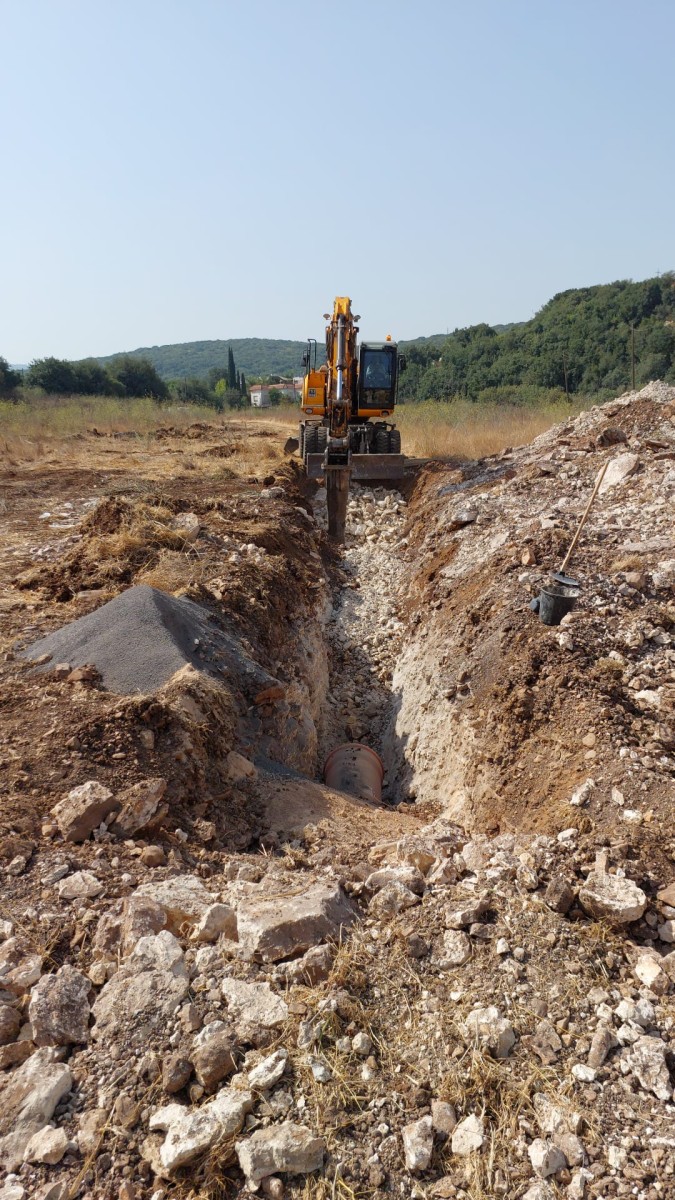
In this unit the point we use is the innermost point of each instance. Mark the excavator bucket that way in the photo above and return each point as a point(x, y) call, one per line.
point(337, 496)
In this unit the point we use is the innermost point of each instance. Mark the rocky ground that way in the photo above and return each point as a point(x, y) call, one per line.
point(218, 977)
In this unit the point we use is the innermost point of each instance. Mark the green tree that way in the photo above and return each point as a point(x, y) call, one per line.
point(236, 400)
point(276, 396)
point(9, 379)
point(231, 371)
point(242, 384)
point(138, 377)
point(56, 375)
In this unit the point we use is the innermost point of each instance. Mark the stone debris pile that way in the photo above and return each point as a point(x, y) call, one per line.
point(218, 1048)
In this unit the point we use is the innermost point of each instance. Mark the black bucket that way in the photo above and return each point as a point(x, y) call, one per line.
point(555, 602)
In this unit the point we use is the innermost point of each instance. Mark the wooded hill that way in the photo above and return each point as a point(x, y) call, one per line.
point(584, 340)
point(194, 360)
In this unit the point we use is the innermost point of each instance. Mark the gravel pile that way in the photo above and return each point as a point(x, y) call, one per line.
point(141, 638)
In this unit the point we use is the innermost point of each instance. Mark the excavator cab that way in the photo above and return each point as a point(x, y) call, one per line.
point(378, 378)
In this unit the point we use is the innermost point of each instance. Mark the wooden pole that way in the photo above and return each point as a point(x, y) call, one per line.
point(582, 522)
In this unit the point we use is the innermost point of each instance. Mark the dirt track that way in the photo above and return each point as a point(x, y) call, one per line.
point(420, 641)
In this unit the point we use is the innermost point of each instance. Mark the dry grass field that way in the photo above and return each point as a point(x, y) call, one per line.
point(37, 429)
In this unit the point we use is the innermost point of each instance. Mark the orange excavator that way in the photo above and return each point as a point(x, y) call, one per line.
point(347, 401)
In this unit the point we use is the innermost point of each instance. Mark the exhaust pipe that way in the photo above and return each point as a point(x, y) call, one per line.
point(355, 769)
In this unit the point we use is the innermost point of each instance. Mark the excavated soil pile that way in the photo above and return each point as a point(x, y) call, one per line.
point(141, 638)
point(470, 996)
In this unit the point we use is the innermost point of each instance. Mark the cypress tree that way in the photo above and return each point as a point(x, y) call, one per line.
point(242, 387)
point(231, 371)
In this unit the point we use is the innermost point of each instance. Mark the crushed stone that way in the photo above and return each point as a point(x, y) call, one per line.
point(144, 636)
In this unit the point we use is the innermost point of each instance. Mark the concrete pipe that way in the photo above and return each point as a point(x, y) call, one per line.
point(355, 769)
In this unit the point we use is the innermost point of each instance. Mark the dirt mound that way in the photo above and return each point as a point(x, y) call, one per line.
point(141, 638)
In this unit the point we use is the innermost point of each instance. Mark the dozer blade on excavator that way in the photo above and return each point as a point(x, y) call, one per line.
point(364, 467)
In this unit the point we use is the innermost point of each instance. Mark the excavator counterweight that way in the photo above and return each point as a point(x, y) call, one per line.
point(346, 402)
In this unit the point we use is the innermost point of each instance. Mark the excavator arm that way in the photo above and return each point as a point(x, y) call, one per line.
point(347, 403)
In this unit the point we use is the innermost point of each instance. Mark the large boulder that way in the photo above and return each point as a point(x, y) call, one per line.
point(20, 968)
point(287, 1147)
point(59, 1008)
point(191, 1131)
point(83, 810)
point(144, 993)
point(253, 1007)
point(29, 1097)
point(183, 898)
point(274, 927)
point(645, 1060)
point(612, 898)
point(139, 804)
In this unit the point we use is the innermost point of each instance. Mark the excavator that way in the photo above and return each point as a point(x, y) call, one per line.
point(346, 401)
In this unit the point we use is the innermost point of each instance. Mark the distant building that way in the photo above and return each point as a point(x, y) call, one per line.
point(260, 396)
point(291, 389)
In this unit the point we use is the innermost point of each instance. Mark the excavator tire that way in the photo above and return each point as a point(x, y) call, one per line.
point(382, 442)
point(322, 435)
point(395, 441)
point(301, 441)
point(311, 440)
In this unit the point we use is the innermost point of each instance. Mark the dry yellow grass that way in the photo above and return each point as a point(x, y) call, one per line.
point(37, 430)
point(54, 432)
point(449, 430)
point(459, 429)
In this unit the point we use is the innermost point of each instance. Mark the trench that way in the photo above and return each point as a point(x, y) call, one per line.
point(371, 677)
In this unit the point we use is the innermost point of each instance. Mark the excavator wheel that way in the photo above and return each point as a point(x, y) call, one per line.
point(311, 439)
point(301, 441)
point(394, 441)
point(382, 441)
point(322, 436)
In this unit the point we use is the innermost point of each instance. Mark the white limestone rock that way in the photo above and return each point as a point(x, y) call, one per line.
point(612, 898)
point(468, 1136)
point(274, 927)
point(83, 810)
point(269, 1071)
point(29, 1096)
point(59, 1008)
point(545, 1158)
point(145, 991)
point(47, 1146)
point(418, 1144)
point(183, 898)
point(253, 1006)
point(646, 1061)
point(286, 1147)
point(191, 1131)
point(488, 1027)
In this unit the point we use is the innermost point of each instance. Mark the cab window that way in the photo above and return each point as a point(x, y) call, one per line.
point(377, 369)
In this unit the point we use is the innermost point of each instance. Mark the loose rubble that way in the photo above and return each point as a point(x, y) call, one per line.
point(469, 995)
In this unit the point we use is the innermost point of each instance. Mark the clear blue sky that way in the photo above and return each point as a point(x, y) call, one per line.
point(174, 170)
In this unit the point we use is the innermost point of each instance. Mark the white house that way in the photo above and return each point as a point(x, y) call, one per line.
point(260, 396)
point(291, 389)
